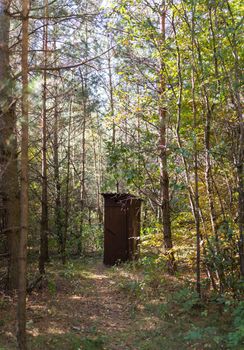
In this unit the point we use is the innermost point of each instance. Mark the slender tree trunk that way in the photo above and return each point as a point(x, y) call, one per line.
point(83, 171)
point(240, 162)
point(208, 175)
point(178, 126)
point(58, 208)
point(111, 100)
point(209, 182)
point(83, 165)
point(219, 198)
point(164, 177)
point(208, 166)
point(240, 172)
point(111, 92)
point(97, 177)
point(44, 203)
point(66, 204)
point(58, 203)
point(100, 175)
point(240, 156)
point(196, 177)
point(214, 46)
point(207, 145)
point(235, 86)
point(196, 180)
point(21, 335)
point(83, 162)
point(9, 187)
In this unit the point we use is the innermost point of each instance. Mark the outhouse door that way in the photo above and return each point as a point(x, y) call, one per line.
point(115, 240)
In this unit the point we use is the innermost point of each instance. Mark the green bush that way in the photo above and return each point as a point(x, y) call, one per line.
point(235, 339)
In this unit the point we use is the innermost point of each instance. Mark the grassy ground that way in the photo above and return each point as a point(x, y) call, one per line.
point(87, 306)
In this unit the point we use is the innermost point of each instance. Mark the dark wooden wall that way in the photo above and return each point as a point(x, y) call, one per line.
point(121, 227)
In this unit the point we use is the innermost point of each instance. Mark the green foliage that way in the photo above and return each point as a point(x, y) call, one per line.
point(222, 255)
point(69, 341)
point(133, 288)
point(123, 166)
point(235, 339)
point(194, 334)
point(92, 343)
point(52, 287)
point(89, 237)
point(209, 334)
point(187, 298)
point(160, 309)
point(70, 270)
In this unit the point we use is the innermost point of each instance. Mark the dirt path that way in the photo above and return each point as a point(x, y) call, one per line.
point(96, 306)
point(77, 310)
point(108, 305)
point(86, 306)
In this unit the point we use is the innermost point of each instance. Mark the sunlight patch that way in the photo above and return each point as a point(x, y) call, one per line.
point(34, 332)
point(54, 330)
point(75, 297)
point(98, 277)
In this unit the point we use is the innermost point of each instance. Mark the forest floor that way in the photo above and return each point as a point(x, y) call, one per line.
point(87, 306)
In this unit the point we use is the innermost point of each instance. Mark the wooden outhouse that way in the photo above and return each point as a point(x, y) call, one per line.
point(121, 227)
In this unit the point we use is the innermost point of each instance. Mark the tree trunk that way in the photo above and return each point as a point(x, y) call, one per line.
point(97, 178)
point(196, 177)
point(44, 202)
point(58, 207)
point(21, 336)
point(111, 94)
point(164, 177)
point(9, 187)
point(208, 175)
point(83, 164)
point(66, 205)
point(235, 87)
point(240, 172)
point(111, 100)
point(178, 126)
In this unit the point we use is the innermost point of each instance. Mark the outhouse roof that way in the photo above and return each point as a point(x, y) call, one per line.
point(121, 196)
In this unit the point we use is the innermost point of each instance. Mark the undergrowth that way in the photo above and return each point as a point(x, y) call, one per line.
point(212, 322)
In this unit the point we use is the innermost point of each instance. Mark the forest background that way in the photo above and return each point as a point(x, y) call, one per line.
point(124, 96)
